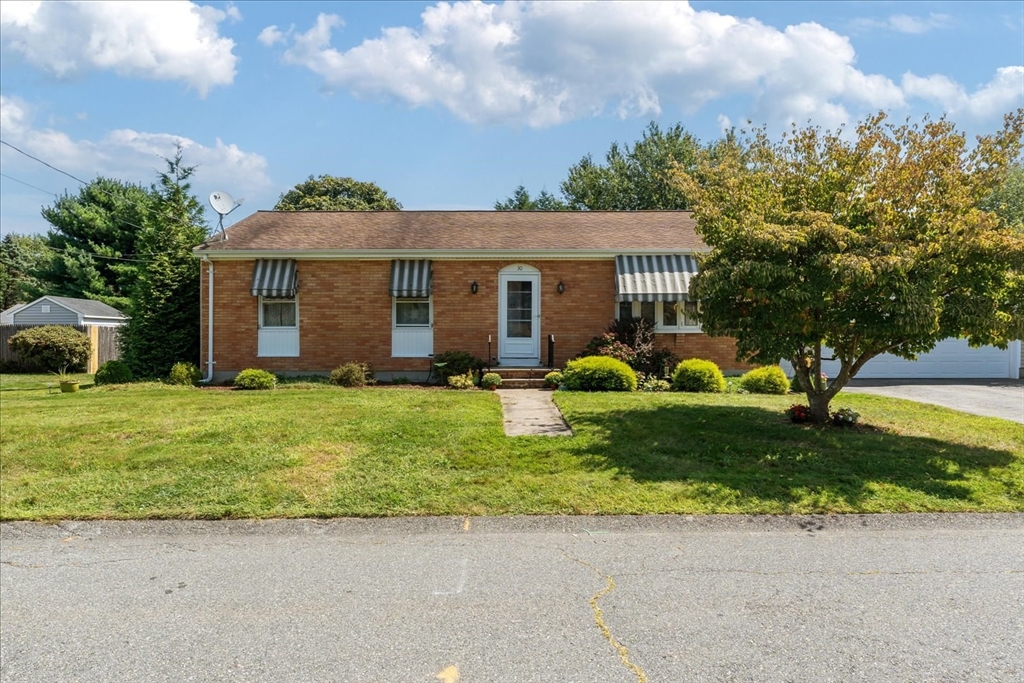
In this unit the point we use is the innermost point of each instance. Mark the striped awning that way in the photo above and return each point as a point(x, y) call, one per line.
point(411, 279)
point(653, 278)
point(276, 278)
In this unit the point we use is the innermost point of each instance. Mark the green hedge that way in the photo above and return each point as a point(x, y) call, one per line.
point(698, 375)
point(252, 378)
point(113, 372)
point(52, 347)
point(598, 373)
point(767, 380)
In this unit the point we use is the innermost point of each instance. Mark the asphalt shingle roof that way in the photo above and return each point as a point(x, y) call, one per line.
point(459, 230)
point(88, 307)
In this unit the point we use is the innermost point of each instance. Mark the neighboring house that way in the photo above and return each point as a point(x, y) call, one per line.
point(62, 310)
point(304, 291)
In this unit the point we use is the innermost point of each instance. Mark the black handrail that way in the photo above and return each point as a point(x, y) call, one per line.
point(551, 351)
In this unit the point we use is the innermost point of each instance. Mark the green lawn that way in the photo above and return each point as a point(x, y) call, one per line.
point(151, 451)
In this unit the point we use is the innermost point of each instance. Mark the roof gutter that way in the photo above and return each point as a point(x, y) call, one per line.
point(453, 254)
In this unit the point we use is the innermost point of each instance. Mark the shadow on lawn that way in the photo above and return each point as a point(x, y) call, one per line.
point(757, 452)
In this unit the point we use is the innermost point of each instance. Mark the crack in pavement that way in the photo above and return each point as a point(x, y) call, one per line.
point(623, 651)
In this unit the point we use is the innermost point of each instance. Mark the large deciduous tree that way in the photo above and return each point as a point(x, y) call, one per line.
point(94, 241)
point(864, 243)
point(1007, 201)
point(328, 193)
point(637, 178)
point(634, 178)
point(164, 327)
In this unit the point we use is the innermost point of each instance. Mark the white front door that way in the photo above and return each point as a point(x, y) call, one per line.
point(519, 316)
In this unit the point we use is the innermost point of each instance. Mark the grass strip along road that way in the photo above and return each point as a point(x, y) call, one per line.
point(306, 450)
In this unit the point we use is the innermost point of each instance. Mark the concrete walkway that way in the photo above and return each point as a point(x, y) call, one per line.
point(531, 412)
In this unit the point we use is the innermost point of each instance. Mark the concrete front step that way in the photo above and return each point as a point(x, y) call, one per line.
point(508, 373)
point(522, 383)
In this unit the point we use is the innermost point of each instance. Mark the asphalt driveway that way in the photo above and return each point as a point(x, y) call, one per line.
point(990, 397)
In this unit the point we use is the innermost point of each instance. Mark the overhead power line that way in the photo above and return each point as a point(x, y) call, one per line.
point(52, 194)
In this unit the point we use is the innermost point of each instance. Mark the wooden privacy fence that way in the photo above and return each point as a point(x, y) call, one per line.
point(103, 340)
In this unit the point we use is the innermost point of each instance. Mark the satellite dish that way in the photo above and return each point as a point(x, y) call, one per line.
point(223, 204)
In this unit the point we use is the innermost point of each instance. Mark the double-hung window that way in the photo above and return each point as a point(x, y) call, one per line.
point(278, 327)
point(412, 328)
point(275, 286)
point(668, 316)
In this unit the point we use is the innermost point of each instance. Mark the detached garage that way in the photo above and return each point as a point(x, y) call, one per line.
point(950, 359)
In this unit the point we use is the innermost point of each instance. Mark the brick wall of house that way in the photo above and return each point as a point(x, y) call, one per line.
point(345, 314)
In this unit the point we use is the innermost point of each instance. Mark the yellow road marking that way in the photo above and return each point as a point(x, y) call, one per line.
point(623, 651)
point(449, 674)
point(465, 524)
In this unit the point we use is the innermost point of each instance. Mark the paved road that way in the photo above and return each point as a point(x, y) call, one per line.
point(995, 398)
point(857, 598)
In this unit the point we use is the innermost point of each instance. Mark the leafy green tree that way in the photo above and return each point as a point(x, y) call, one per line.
point(164, 327)
point(21, 256)
point(94, 242)
point(635, 178)
point(522, 201)
point(328, 193)
point(1007, 201)
point(867, 244)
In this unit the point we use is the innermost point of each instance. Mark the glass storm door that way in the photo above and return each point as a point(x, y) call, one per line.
point(519, 318)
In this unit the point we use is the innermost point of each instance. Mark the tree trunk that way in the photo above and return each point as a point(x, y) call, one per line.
point(819, 406)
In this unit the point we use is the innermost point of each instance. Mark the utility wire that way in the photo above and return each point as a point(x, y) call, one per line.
point(21, 151)
point(83, 182)
point(52, 194)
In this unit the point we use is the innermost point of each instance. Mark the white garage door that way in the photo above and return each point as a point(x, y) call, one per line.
point(950, 359)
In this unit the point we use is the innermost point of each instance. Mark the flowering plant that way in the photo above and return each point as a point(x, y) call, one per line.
point(845, 417)
point(798, 413)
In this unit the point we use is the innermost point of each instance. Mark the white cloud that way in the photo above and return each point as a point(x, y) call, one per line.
point(155, 40)
point(545, 63)
point(127, 154)
point(905, 23)
point(1002, 94)
point(271, 35)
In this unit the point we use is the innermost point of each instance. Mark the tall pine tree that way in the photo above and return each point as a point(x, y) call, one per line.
point(164, 328)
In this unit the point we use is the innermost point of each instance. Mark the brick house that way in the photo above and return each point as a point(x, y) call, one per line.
point(303, 292)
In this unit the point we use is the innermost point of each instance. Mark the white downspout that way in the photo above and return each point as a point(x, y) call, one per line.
point(209, 324)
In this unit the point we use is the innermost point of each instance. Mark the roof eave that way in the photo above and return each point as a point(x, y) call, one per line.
point(472, 254)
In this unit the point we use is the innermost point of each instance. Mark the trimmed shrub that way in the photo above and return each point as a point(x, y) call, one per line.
point(698, 375)
point(52, 347)
point(465, 381)
point(184, 374)
point(767, 380)
point(253, 378)
point(553, 379)
point(598, 373)
point(456, 363)
point(491, 380)
point(113, 372)
point(352, 375)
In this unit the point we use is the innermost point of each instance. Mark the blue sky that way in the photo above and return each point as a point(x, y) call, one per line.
point(452, 105)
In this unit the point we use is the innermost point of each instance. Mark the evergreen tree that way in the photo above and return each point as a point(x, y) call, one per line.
point(93, 241)
point(21, 256)
point(164, 328)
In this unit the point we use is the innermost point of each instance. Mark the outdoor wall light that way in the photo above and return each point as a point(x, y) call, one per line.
point(561, 287)
point(474, 287)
